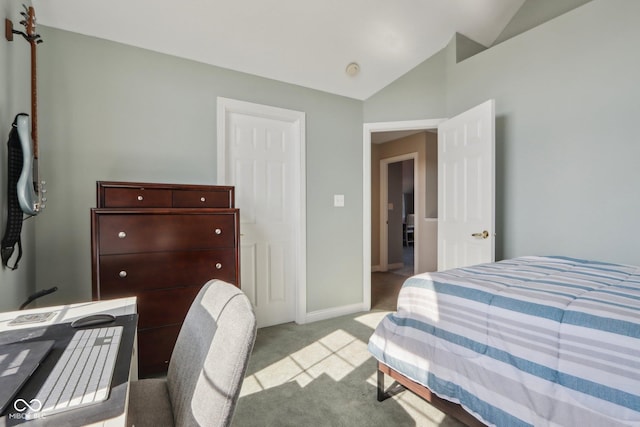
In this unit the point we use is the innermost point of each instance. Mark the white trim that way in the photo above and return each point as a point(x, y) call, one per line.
point(384, 213)
point(333, 312)
point(395, 266)
point(368, 129)
point(297, 119)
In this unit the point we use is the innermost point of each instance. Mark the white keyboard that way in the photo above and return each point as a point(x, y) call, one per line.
point(83, 374)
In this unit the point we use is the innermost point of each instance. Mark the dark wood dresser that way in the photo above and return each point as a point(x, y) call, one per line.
point(161, 243)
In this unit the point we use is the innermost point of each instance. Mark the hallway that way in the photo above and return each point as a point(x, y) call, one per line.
point(385, 285)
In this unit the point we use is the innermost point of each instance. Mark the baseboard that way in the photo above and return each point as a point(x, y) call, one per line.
point(330, 313)
point(395, 266)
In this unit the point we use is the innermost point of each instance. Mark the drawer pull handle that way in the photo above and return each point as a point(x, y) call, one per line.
point(218, 231)
point(203, 199)
point(122, 235)
point(122, 274)
point(140, 198)
point(218, 266)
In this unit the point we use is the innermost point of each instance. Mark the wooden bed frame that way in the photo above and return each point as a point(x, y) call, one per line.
point(449, 408)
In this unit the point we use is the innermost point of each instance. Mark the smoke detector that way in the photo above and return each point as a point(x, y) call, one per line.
point(353, 69)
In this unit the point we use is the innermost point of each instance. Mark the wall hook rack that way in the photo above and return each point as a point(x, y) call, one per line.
point(8, 29)
point(28, 23)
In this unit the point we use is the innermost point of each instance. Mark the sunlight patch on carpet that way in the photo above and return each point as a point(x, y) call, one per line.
point(372, 318)
point(336, 355)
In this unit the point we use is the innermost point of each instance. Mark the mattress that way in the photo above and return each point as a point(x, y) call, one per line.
point(540, 341)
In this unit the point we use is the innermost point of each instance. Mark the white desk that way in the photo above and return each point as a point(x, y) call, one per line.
point(68, 313)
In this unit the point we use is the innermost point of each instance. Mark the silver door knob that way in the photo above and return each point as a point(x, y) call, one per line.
point(483, 235)
point(218, 266)
point(122, 274)
point(122, 234)
point(218, 231)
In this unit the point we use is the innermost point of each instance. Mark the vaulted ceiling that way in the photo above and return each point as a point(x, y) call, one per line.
point(303, 42)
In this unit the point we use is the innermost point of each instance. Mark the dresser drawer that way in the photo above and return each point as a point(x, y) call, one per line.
point(126, 275)
point(154, 349)
point(165, 306)
point(122, 233)
point(115, 194)
point(201, 199)
point(137, 198)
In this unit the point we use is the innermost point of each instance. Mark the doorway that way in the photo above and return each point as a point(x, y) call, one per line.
point(370, 130)
point(400, 188)
point(398, 198)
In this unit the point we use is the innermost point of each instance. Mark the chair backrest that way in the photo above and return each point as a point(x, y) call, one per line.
point(210, 357)
point(410, 219)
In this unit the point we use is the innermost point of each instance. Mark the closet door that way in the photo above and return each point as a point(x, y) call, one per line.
point(261, 156)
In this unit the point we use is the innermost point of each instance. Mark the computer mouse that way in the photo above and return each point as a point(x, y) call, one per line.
point(93, 319)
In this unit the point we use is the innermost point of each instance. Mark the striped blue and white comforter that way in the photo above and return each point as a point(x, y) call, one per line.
point(540, 341)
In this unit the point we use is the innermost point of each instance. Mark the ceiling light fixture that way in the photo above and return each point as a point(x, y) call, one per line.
point(353, 69)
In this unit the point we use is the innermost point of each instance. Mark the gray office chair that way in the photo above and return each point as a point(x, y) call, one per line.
point(207, 366)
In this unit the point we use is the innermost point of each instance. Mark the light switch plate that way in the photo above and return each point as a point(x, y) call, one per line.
point(338, 200)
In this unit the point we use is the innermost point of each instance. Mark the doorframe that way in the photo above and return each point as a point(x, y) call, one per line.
point(226, 106)
point(384, 212)
point(368, 129)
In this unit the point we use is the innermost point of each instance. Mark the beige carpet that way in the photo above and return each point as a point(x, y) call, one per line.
point(321, 374)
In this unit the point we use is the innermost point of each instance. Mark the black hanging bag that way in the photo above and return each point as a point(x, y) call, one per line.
point(13, 229)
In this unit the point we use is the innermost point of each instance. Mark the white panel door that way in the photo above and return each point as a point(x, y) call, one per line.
point(466, 188)
point(262, 161)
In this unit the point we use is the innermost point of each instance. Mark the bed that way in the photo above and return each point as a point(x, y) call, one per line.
point(526, 341)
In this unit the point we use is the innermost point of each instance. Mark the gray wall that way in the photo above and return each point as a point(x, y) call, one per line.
point(418, 94)
point(535, 12)
point(114, 112)
point(567, 104)
point(15, 97)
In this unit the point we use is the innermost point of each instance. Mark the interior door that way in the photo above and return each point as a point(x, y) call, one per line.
point(261, 161)
point(466, 188)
